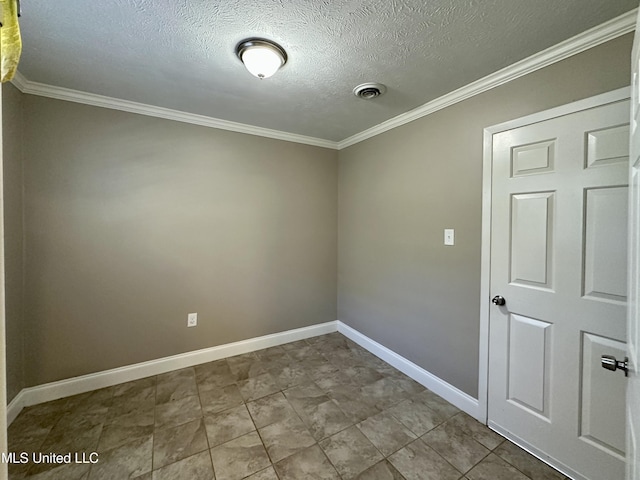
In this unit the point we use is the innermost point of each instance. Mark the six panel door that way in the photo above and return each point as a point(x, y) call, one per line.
point(559, 257)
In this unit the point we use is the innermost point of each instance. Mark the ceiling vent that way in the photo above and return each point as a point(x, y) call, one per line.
point(369, 90)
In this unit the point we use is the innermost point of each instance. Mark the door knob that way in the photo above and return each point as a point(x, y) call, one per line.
point(611, 363)
point(498, 300)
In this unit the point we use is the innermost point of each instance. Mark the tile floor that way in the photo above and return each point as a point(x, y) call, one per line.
point(322, 408)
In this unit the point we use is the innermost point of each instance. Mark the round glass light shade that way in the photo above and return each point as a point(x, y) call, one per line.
point(261, 58)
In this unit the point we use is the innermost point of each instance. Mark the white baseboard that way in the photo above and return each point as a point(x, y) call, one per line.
point(15, 407)
point(539, 454)
point(457, 397)
point(85, 383)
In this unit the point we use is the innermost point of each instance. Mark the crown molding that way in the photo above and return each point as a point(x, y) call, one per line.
point(61, 93)
point(593, 37)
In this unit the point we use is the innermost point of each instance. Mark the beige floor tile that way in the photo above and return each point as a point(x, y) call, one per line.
point(175, 443)
point(270, 409)
point(309, 463)
point(129, 460)
point(289, 375)
point(285, 438)
point(527, 463)
point(481, 433)
point(196, 467)
point(458, 448)
point(266, 474)
point(177, 412)
point(418, 461)
point(495, 468)
point(416, 416)
point(350, 452)
point(267, 415)
point(381, 471)
point(212, 375)
point(386, 433)
point(436, 403)
point(71, 471)
point(325, 420)
point(176, 385)
point(384, 392)
point(132, 388)
point(239, 458)
point(257, 387)
point(227, 425)
point(220, 399)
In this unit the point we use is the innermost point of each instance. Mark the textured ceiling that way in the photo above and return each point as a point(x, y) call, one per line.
point(179, 54)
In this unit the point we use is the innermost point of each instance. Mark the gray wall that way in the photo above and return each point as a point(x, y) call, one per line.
point(13, 244)
point(132, 222)
point(397, 282)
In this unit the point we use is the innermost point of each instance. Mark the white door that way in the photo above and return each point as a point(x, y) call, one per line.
point(559, 258)
point(3, 363)
point(633, 387)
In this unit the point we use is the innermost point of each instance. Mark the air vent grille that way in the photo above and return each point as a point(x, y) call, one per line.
point(368, 91)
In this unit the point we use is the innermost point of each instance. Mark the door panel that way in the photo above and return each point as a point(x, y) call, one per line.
point(602, 393)
point(605, 255)
point(529, 363)
point(558, 256)
point(531, 159)
point(609, 145)
point(531, 238)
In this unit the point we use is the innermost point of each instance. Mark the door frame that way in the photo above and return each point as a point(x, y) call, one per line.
point(614, 96)
point(3, 359)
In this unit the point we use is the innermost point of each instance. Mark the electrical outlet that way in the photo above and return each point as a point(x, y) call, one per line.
point(192, 320)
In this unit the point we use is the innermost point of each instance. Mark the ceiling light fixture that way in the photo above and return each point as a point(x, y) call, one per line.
point(262, 57)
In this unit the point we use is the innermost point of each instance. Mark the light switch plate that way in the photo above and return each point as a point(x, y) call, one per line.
point(449, 236)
